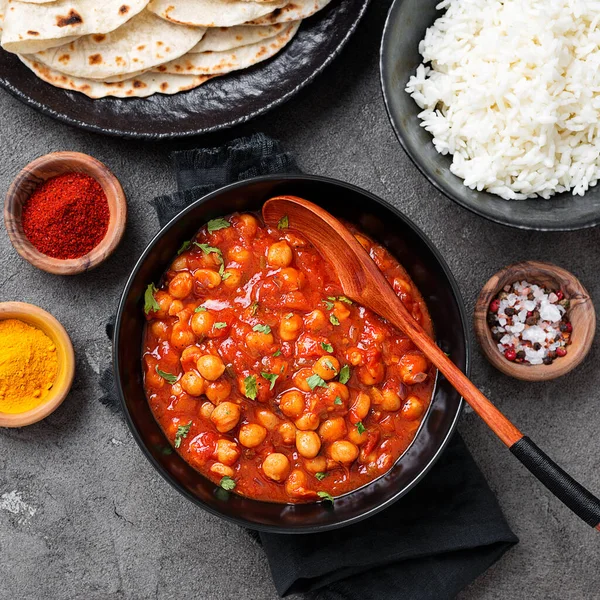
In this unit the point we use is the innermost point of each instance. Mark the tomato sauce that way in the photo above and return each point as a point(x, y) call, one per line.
point(270, 382)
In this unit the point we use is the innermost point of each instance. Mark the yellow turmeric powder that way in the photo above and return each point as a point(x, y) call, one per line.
point(28, 366)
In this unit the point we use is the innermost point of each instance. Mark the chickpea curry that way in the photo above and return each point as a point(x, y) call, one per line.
point(270, 382)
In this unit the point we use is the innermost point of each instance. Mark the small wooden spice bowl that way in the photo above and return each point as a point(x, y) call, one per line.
point(44, 321)
point(581, 314)
point(36, 173)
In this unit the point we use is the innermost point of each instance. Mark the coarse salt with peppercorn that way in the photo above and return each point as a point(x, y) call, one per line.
point(530, 323)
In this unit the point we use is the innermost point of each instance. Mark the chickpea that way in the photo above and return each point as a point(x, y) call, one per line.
point(413, 408)
point(207, 278)
point(308, 421)
point(295, 485)
point(180, 263)
point(276, 466)
point(371, 375)
point(300, 379)
point(227, 452)
point(252, 435)
point(341, 311)
point(391, 401)
point(279, 255)
point(258, 341)
point(217, 391)
point(326, 367)
point(239, 255)
point(211, 367)
point(222, 470)
point(182, 336)
point(163, 300)
point(335, 389)
point(343, 452)
point(413, 368)
point(181, 285)
point(152, 378)
point(175, 308)
point(357, 438)
point(192, 383)
point(290, 279)
point(360, 407)
point(159, 329)
point(355, 356)
point(289, 328)
point(225, 416)
point(363, 241)
point(308, 443)
point(287, 431)
point(401, 285)
point(247, 225)
point(316, 465)
point(267, 419)
point(315, 320)
point(232, 278)
point(189, 357)
point(292, 404)
point(206, 410)
point(333, 429)
point(202, 323)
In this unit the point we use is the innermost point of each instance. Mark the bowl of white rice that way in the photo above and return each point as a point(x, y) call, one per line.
point(497, 102)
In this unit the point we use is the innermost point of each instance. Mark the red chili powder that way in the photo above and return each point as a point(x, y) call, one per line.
point(67, 216)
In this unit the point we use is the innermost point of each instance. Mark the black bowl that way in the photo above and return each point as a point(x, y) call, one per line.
point(386, 225)
point(405, 28)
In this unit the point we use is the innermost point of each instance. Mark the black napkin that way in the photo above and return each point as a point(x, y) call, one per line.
point(428, 545)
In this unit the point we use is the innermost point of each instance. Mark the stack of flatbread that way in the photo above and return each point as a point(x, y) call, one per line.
point(136, 48)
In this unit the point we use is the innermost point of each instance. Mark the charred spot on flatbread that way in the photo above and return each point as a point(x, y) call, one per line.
point(73, 18)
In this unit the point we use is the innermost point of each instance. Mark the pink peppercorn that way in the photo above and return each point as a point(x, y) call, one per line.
point(495, 305)
point(510, 354)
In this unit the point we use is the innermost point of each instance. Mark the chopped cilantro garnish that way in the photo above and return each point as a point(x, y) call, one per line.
point(277, 353)
point(217, 224)
point(316, 381)
point(253, 308)
point(327, 347)
point(326, 496)
point(334, 320)
point(184, 247)
point(344, 374)
point(284, 223)
point(288, 316)
point(328, 305)
point(220, 325)
point(320, 476)
point(329, 365)
point(271, 378)
point(344, 299)
point(200, 309)
point(182, 432)
point(360, 427)
point(166, 376)
point(338, 400)
point(262, 328)
point(150, 303)
point(227, 483)
point(250, 387)
point(207, 249)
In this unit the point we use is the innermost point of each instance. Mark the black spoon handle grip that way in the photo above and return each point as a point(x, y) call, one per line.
point(582, 502)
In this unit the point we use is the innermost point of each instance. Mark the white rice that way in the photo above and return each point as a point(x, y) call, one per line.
point(512, 91)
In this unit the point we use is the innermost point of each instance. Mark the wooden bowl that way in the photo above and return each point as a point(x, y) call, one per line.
point(43, 320)
point(581, 314)
point(44, 168)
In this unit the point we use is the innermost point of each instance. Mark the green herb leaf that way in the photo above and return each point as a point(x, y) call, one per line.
point(253, 308)
point(271, 378)
point(227, 483)
point(326, 496)
point(150, 303)
point(166, 376)
point(250, 387)
point(182, 432)
point(284, 223)
point(166, 450)
point(207, 249)
point(288, 316)
point(345, 299)
point(334, 320)
point(329, 365)
point(200, 309)
point(332, 298)
point(328, 305)
point(220, 325)
point(360, 427)
point(262, 328)
point(320, 476)
point(344, 374)
point(184, 247)
point(225, 276)
point(277, 353)
point(217, 224)
point(338, 400)
point(327, 347)
point(316, 381)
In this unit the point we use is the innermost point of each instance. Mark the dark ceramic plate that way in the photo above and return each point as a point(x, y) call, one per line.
point(405, 28)
point(386, 225)
point(218, 104)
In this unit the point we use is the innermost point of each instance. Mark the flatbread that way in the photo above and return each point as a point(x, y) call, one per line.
point(294, 10)
point(220, 39)
point(212, 63)
point(212, 13)
point(29, 28)
point(142, 86)
point(143, 42)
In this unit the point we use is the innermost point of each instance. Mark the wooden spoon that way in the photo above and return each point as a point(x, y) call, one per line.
point(364, 283)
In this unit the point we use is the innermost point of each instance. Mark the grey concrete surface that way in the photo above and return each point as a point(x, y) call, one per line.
point(84, 515)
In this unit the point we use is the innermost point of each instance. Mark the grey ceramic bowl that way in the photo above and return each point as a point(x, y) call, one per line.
point(405, 28)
